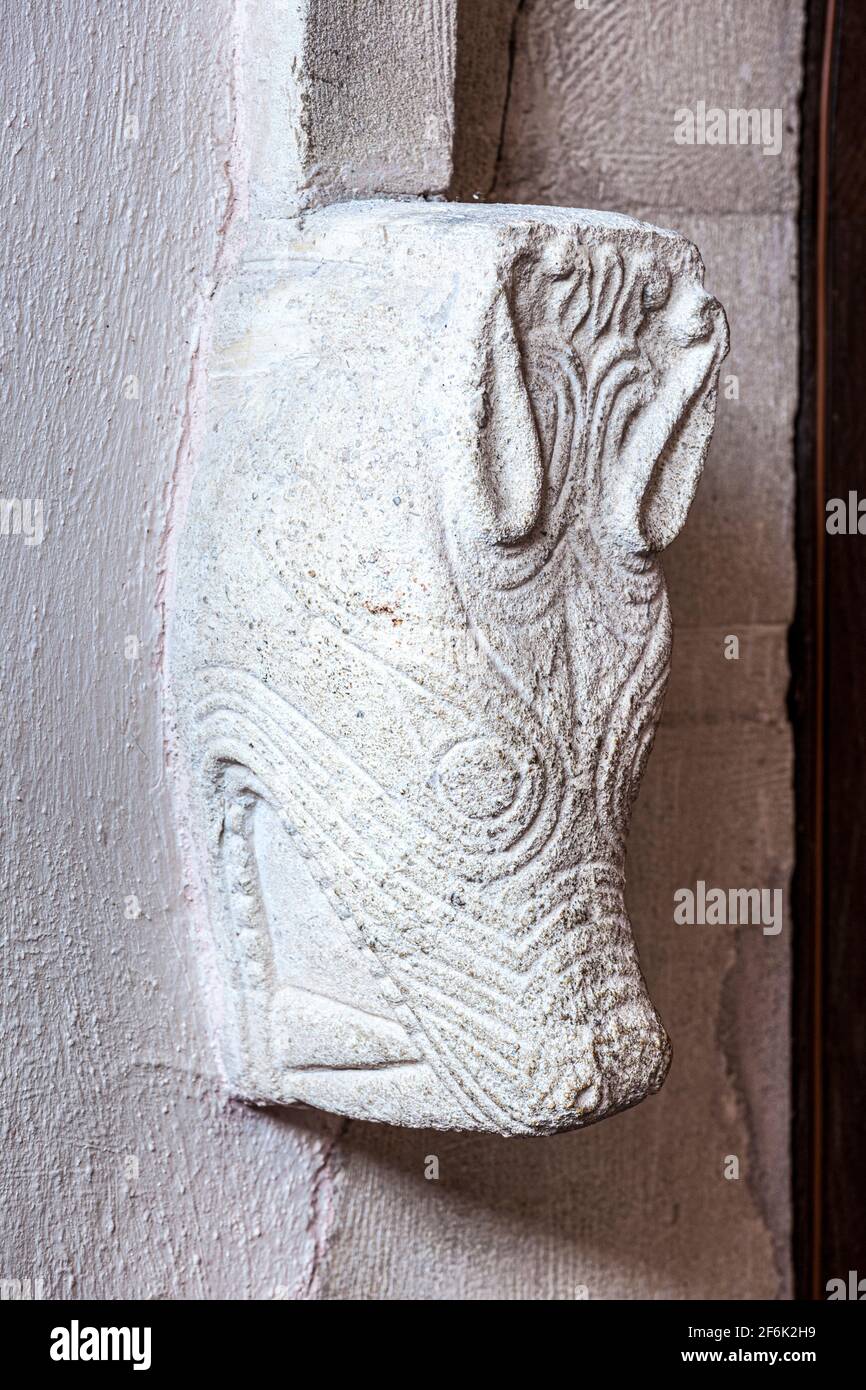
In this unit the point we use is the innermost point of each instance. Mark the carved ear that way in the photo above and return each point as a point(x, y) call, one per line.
point(510, 467)
point(662, 454)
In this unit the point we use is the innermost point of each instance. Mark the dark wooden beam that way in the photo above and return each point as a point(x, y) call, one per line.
point(828, 657)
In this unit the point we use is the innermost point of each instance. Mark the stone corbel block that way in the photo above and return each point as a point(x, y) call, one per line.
point(345, 100)
point(420, 650)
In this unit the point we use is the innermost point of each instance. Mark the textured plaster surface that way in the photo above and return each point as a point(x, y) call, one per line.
point(124, 1171)
point(594, 91)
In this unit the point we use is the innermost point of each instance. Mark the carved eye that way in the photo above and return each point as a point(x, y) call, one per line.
point(479, 777)
point(697, 319)
point(656, 291)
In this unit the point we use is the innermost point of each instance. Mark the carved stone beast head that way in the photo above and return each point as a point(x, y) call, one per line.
point(420, 649)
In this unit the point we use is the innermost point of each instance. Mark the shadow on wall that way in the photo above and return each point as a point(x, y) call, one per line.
point(606, 1212)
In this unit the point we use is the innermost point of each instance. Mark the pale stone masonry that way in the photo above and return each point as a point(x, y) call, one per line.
point(421, 644)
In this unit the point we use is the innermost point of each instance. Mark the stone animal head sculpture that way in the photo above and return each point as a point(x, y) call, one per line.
point(420, 649)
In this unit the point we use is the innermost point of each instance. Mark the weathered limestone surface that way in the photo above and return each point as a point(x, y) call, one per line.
point(734, 562)
point(124, 1171)
point(421, 644)
point(595, 90)
point(345, 100)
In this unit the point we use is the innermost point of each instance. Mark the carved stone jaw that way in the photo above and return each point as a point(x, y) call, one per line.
point(420, 649)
